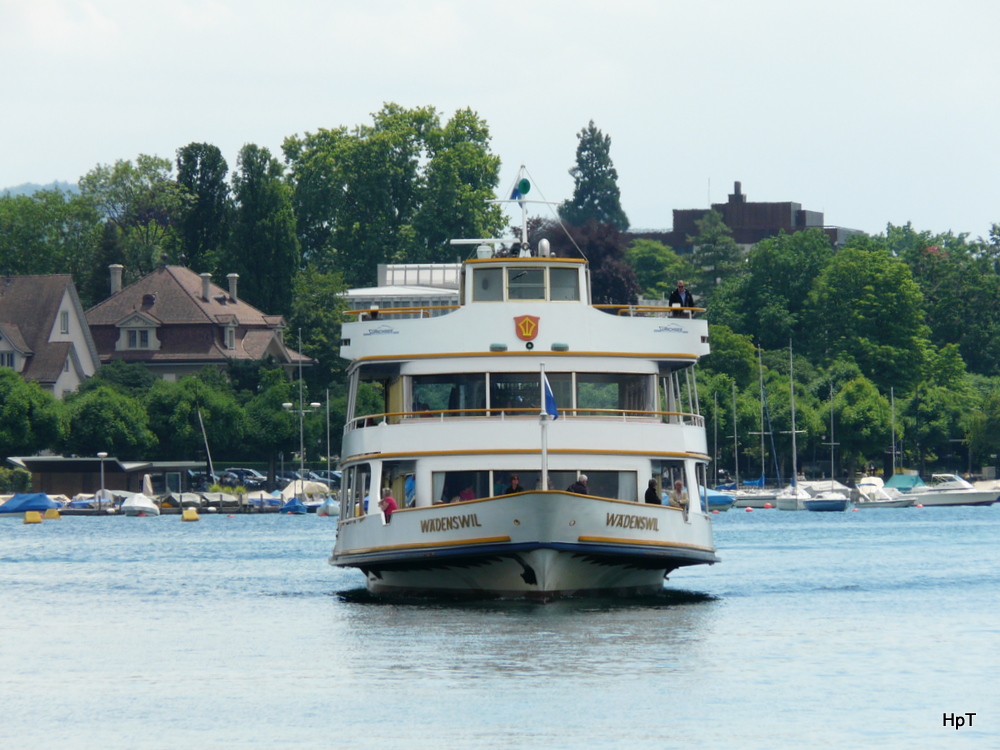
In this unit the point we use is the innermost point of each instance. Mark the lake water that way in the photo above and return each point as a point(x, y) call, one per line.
point(839, 630)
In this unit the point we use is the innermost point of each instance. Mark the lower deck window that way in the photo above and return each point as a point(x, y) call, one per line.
point(459, 486)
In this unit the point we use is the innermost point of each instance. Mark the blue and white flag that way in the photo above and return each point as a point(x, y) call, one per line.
point(550, 399)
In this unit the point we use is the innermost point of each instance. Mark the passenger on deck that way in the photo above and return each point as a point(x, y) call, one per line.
point(678, 496)
point(652, 496)
point(579, 486)
point(467, 494)
point(387, 504)
point(681, 297)
point(515, 485)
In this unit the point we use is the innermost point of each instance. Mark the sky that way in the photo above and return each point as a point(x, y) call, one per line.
point(871, 111)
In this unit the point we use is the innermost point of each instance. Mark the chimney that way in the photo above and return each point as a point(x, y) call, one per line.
point(206, 279)
point(116, 277)
point(232, 285)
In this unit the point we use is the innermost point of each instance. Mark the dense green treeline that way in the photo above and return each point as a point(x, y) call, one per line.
point(900, 328)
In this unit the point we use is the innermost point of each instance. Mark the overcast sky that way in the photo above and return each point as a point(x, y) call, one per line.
point(871, 111)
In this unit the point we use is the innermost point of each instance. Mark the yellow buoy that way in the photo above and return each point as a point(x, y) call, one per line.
point(32, 516)
point(189, 514)
point(52, 514)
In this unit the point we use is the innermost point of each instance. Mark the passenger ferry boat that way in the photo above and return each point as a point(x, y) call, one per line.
point(583, 403)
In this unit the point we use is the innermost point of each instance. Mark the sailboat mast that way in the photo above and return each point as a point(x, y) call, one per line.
point(791, 382)
point(736, 451)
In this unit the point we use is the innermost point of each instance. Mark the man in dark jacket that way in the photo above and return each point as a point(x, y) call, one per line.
point(579, 486)
point(681, 297)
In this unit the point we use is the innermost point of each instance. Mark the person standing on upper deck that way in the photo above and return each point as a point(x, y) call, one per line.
point(681, 296)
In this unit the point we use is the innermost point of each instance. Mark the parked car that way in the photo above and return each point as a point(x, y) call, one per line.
point(251, 479)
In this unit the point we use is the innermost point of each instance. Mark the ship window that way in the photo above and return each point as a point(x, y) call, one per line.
point(455, 394)
point(614, 391)
point(356, 486)
point(514, 391)
point(525, 283)
point(458, 486)
point(487, 285)
point(565, 284)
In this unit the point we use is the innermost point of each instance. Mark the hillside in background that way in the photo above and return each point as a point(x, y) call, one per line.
point(30, 188)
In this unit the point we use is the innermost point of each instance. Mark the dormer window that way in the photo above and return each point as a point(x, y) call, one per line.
point(7, 359)
point(64, 322)
point(230, 337)
point(138, 338)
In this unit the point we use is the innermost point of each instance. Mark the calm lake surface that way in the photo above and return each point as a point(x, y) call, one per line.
point(839, 630)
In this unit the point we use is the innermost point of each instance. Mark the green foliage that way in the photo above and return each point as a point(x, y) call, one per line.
point(262, 248)
point(318, 303)
point(960, 288)
point(716, 253)
point(203, 226)
point(657, 267)
point(866, 307)
point(732, 354)
point(393, 191)
point(129, 378)
point(13, 481)
point(143, 201)
point(270, 427)
point(596, 196)
point(861, 419)
point(173, 416)
point(49, 232)
point(30, 418)
point(104, 419)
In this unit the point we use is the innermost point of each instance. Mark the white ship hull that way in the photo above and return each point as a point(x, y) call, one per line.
point(533, 545)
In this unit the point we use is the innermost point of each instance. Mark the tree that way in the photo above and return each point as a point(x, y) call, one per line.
point(173, 410)
point(766, 300)
point(960, 287)
point(861, 417)
point(656, 267)
point(596, 196)
point(48, 232)
point(128, 378)
point(866, 307)
point(393, 191)
point(144, 202)
point(271, 428)
point(732, 354)
point(204, 225)
point(318, 303)
point(460, 177)
point(105, 419)
point(716, 253)
point(263, 248)
point(29, 417)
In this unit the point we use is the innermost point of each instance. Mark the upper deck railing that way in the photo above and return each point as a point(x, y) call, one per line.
point(631, 311)
point(521, 414)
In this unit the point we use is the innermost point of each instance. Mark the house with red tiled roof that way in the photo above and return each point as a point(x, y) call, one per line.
point(176, 322)
point(43, 332)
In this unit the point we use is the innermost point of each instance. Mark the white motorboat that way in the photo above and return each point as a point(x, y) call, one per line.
point(525, 377)
point(140, 505)
point(872, 493)
point(951, 489)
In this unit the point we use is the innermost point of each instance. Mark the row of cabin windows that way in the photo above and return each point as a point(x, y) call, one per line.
point(462, 486)
point(477, 392)
point(525, 283)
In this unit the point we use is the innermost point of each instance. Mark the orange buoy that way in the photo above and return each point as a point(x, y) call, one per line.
point(767, 505)
point(749, 510)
